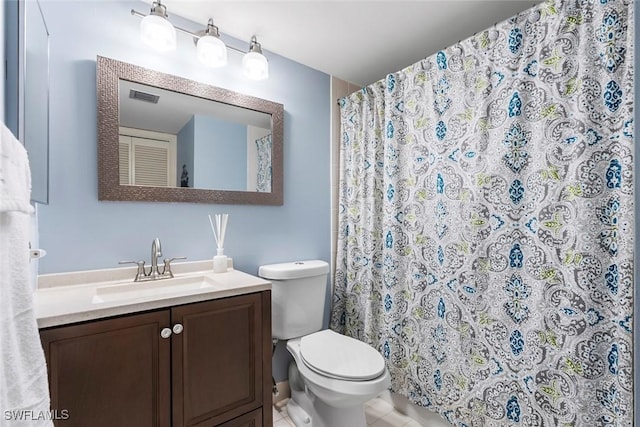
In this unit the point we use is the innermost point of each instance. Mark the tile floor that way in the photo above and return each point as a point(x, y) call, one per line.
point(379, 413)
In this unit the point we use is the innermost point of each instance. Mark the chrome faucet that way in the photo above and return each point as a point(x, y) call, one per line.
point(156, 251)
point(154, 271)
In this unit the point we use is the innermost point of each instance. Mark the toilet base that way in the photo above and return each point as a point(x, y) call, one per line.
point(323, 415)
point(307, 410)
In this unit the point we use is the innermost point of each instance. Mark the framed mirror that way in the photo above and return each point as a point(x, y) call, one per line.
point(164, 138)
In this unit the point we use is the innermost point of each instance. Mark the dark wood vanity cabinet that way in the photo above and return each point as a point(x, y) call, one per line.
point(113, 372)
point(212, 370)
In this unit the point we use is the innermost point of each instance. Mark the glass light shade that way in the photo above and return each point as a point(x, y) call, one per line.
point(211, 51)
point(158, 33)
point(255, 66)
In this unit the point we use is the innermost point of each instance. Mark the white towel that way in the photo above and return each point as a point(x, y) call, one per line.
point(24, 391)
point(15, 176)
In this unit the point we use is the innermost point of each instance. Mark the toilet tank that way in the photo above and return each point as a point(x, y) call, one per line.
point(298, 295)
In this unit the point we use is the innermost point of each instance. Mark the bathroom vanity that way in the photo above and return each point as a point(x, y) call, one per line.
point(181, 356)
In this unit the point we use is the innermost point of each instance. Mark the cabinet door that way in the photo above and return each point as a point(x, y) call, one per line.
point(217, 363)
point(112, 372)
point(252, 419)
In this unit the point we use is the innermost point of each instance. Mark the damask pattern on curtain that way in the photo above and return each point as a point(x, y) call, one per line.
point(263, 146)
point(486, 221)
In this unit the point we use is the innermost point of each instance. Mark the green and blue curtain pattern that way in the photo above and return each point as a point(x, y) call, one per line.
point(486, 221)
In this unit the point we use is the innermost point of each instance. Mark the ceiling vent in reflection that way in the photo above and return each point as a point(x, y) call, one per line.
point(143, 96)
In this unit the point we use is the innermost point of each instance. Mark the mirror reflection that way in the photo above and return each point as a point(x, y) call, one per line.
point(170, 139)
point(164, 138)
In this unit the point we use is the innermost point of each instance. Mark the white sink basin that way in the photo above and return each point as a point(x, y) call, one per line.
point(153, 288)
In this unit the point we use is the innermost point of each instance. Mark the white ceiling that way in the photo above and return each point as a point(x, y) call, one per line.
point(359, 41)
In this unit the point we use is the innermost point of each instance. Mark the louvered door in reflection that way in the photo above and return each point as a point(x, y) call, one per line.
point(146, 162)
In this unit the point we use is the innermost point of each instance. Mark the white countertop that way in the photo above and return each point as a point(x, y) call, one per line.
point(66, 298)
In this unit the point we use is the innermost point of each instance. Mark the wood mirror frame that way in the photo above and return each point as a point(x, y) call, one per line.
point(109, 73)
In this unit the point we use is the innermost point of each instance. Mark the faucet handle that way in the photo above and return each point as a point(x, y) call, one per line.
point(140, 273)
point(167, 265)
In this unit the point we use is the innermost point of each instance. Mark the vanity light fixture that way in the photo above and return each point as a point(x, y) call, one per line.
point(210, 49)
point(157, 32)
point(254, 64)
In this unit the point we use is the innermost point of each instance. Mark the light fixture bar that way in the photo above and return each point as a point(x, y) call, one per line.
point(237, 50)
point(159, 33)
point(187, 32)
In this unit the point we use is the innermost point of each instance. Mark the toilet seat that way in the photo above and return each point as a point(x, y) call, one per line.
point(338, 356)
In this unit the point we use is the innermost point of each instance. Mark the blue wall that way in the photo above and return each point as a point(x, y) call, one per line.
point(79, 232)
point(220, 159)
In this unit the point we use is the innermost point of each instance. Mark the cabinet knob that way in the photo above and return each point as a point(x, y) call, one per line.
point(177, 328)
point(165, 333)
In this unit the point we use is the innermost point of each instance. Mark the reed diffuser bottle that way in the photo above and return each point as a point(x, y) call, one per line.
point(219, 229)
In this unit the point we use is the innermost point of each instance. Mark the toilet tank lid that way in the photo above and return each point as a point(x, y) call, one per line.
point(293, 270)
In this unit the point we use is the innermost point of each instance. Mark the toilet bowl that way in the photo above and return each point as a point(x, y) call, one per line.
point(339, 370)
point(332, 375)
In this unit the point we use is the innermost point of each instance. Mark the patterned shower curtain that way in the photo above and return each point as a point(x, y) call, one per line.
point(486, 221)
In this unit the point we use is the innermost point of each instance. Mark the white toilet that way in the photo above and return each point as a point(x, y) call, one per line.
point(332, 375)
